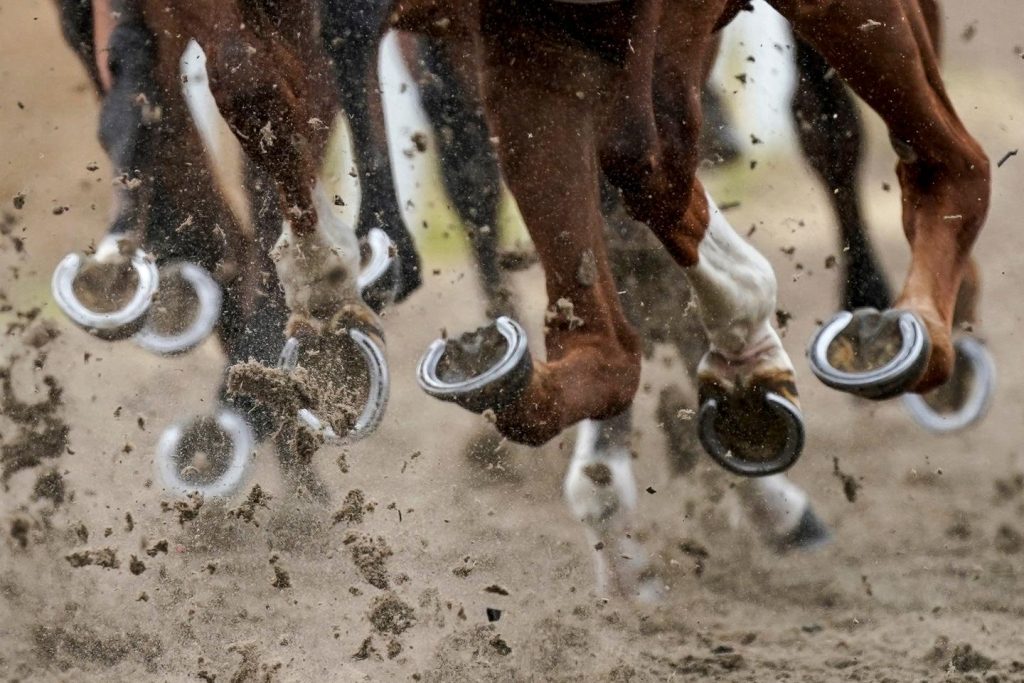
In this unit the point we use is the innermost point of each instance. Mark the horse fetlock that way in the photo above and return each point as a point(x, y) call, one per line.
point(317, 276)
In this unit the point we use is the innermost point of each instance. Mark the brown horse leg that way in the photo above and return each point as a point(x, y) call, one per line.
point(547, 146)
point(945, 178)
point(593, 356)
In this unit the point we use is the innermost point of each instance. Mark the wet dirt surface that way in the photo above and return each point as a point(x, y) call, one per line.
point(922, 583)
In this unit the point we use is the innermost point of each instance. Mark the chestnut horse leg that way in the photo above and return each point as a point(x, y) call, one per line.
point(544, 116)
point(945, 179)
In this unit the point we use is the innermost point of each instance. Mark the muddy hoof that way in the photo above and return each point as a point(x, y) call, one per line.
point(809, 535)
point(488, 368)
point(207, 455)
point(752, 433)
point(965, 398)
point(107, 294)
point(329, 376)
point(379, 279)
point(184, 312)
point(870, 354)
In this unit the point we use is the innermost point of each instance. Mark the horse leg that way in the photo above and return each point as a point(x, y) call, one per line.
point(352, 31)
point(77, 26)
point(659, 304)
point(945, 179)
point(830, 132)
point(601, 492)
point(469, 164)
point(749, 420)
point(270, 93)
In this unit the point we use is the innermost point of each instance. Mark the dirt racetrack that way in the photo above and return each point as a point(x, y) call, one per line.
point(924, 582)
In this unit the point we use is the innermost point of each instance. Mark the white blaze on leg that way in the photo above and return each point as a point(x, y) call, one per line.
point(601, 491)
point(318, 271)
point(735, 289)
point(775, 504)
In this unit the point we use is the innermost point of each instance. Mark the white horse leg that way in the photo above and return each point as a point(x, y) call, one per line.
point(782, 512)
point(749, 420)
point(601, 492)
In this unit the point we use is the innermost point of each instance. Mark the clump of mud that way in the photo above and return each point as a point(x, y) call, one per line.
point(257, 498)
point(390, 614)
point(252, 668)
point(961, 658)
point(353, 508)
point(41, 432)
point(187, 509)
point(331, 381)
point(850, 485)
point(50, 486)
point(104, 557)
point(370, 557)
point(475, 654)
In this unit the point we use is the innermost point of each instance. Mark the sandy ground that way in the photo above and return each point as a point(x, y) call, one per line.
point(921, 583)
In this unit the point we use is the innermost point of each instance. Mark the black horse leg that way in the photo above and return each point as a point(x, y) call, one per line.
point(352, 31)
point(469, 164)
point(76, 25)
point(830, 133)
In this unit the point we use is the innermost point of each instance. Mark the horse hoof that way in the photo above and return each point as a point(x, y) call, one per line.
point(810, 534)
point(870, 354)
point(206, 455)
point(964, 399)
point(377, 381)
point(185, 310)
point(379, 279)
point(754, 434)
point(104, 294)
point(488, 368)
